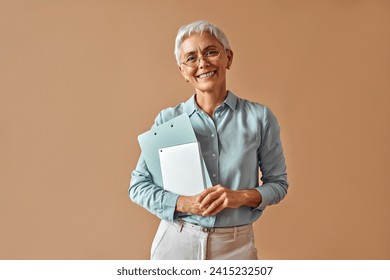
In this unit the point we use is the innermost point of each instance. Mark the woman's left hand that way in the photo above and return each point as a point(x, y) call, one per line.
point(213, 200)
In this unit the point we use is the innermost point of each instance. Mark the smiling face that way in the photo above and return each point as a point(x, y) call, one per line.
point(207, 76)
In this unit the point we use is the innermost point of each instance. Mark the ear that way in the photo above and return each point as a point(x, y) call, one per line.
point(229, 54)
point(182, 72)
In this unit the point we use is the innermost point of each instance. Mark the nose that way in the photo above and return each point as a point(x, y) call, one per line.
point(202, 61)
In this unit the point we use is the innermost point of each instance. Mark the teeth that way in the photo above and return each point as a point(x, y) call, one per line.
point(207, 74)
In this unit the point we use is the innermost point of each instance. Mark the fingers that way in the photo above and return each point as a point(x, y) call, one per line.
point(215, 207)
point(206, 192)
point(219, 208)
point(210, 196)
point(213, 200)
point(208, 203)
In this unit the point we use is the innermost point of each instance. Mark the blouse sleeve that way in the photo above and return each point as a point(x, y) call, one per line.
point(145, 193)
point(272, 163)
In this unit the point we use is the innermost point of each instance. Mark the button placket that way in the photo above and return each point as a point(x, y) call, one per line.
point(213, 151)
point(214, 157)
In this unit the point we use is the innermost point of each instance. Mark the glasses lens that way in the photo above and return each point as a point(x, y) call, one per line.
point(209, 56)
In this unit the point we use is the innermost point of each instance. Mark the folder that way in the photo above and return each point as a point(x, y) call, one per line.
point(182, 169)
point(177, 131)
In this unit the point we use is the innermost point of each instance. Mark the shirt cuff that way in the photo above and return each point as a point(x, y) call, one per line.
point(266, 197)
point(170, 205)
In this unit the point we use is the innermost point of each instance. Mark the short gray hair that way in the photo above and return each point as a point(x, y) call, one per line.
point(199, 27)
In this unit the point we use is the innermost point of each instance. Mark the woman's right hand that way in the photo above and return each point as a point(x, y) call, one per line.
point(189, 204)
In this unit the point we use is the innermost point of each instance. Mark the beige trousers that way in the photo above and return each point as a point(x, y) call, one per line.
point(185, 241)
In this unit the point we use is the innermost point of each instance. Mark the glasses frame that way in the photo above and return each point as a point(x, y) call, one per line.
point(205, 58)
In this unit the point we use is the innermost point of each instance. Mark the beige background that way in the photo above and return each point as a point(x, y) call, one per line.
point(79, 80)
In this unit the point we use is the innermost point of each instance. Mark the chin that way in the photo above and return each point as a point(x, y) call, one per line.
point(209, 86)
point(205, 88)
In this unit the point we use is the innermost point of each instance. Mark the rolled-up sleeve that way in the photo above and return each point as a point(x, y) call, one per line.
point(272, 163)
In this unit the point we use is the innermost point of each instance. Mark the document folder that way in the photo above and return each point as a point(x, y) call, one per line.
point(177, 131)
point(182, 169)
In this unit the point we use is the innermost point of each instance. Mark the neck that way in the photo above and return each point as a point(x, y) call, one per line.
point(208, 101)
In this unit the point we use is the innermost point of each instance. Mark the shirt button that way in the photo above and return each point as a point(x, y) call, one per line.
point(212, 135)
point(214, 175)
point(213, 155)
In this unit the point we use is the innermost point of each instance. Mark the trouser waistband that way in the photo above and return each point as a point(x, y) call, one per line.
point(185, 225)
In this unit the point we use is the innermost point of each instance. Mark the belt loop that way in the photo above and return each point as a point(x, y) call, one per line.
point(235, 233)
point(181, 225)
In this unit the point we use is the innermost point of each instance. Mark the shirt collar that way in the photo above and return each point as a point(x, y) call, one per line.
point(190, 105)
point(231, 100)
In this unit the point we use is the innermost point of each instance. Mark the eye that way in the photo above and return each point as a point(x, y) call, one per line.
point(191, 58)
point(211, 53)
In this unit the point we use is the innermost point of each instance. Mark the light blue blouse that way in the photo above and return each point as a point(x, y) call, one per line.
point(241, 137)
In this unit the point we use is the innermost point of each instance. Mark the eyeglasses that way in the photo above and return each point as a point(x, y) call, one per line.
point(193, 60)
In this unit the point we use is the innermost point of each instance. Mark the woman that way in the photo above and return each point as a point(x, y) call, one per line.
point(236, 137)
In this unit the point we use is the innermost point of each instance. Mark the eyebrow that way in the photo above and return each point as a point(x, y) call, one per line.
point(206, 48)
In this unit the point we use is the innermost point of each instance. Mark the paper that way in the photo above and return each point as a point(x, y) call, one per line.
point(182, 169)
